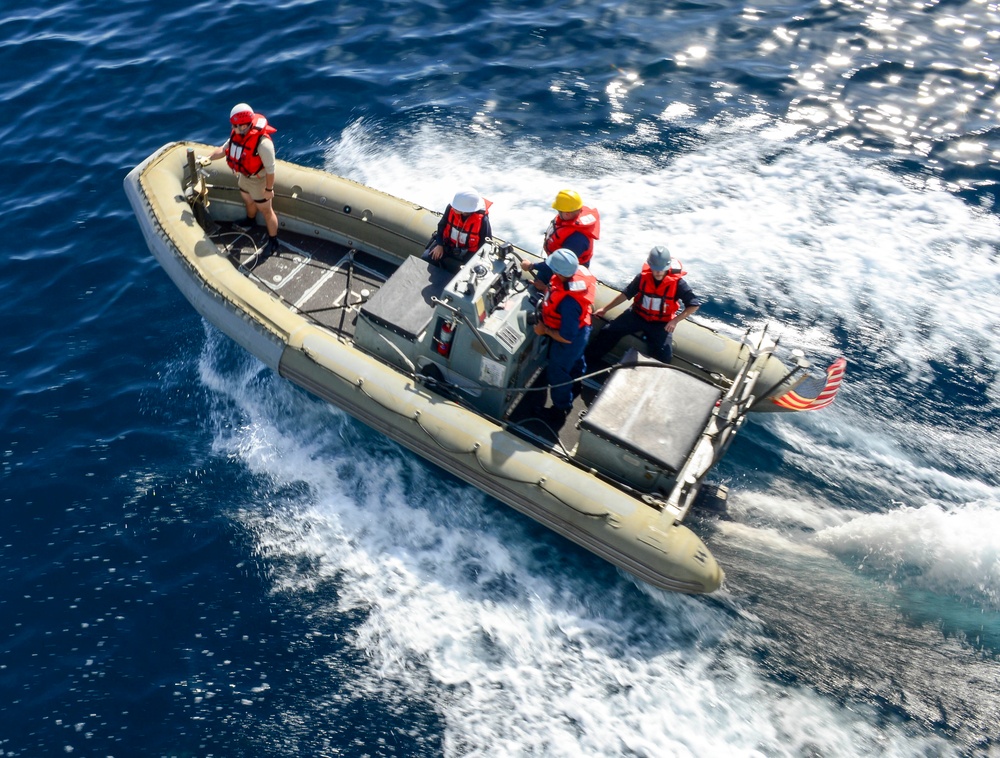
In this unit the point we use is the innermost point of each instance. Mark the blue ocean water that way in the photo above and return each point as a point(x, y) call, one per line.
point(199, 559)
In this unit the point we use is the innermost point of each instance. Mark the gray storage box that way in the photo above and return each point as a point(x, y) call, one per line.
point(401, 311)
point(645, 423)
point(403, 305)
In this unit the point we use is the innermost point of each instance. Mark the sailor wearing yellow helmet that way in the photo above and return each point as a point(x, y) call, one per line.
point(575, 227)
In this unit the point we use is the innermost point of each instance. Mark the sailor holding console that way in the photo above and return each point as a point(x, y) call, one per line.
point(565, 320)
point(575, 227)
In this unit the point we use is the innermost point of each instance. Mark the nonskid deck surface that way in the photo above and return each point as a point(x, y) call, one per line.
point(309, 274)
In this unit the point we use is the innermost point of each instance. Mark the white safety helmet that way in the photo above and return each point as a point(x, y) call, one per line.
point(563, 262)
point(468, 200)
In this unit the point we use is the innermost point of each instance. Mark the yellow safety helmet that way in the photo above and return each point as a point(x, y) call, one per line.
point(567, 201)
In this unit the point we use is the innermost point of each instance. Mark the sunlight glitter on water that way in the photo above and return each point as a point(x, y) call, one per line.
point(953, 70)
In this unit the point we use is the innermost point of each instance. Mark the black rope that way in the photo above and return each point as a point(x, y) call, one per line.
point(432, 380)
point(640, 364)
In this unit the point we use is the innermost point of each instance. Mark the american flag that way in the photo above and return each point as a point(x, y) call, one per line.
point(815, 392)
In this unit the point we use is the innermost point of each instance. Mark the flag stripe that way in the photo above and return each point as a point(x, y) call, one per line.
point(797, 402)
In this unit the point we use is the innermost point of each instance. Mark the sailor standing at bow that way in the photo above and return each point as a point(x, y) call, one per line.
point(464, 227)
point(249, 152)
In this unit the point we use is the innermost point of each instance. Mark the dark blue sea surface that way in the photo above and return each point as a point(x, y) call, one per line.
point(198, 559)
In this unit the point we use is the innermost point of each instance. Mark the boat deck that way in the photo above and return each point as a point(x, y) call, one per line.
point(328, 282)
point(317, 278)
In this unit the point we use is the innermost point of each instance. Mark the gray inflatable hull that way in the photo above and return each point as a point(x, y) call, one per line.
point(617, 525)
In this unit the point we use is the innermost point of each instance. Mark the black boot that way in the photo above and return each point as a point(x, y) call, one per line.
point(272, 245)
point(247, 223)
point(555, 417)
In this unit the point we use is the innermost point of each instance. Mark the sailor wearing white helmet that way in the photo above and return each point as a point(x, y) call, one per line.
point(463, 229)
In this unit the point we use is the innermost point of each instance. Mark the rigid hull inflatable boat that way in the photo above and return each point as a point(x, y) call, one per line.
point(449, 366)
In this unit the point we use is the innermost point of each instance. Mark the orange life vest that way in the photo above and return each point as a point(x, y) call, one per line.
point(582, 287)
point(657, 300)
point(464, 235)
point(241, 152)
point(587, 222)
